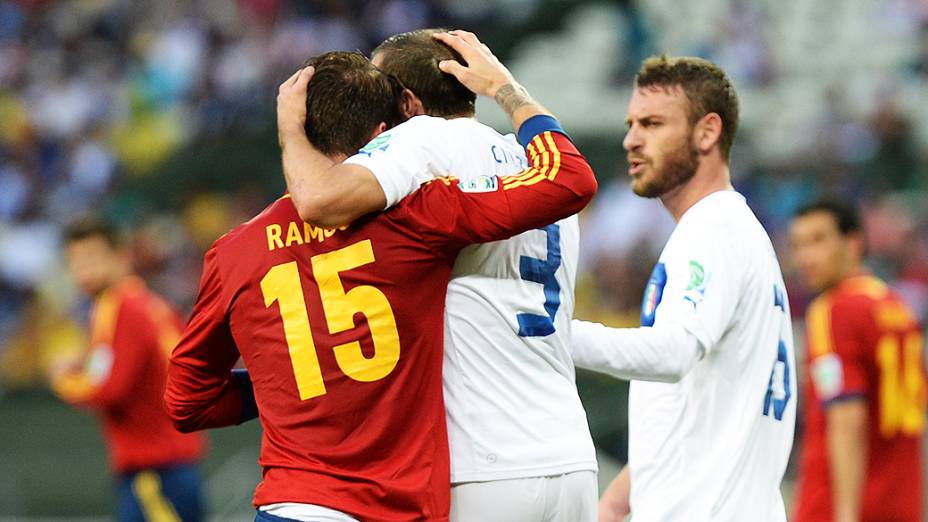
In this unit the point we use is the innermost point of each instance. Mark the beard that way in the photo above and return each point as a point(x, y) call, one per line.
point(679, 167)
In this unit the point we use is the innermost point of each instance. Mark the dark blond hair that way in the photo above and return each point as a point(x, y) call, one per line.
point(706, 86)
point(413, 58)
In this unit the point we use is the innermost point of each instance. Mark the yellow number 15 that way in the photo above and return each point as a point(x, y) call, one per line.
point(282, 285)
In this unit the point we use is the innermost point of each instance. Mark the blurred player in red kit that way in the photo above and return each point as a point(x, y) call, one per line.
point(341, 329)
point(865, 397)
point(122, 377)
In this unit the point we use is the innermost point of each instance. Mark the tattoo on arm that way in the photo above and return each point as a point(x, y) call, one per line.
point(511, 97)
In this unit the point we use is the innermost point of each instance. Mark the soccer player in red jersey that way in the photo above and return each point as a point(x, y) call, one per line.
point(341, 329)
point(132, 331)
point(866, 396)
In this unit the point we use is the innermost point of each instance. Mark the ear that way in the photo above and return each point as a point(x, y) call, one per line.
point(378, 130)
point(412, 105)
point(708, 132)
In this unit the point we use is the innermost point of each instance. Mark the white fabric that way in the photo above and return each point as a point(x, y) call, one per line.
point(562, 498)
point(663, 353)
point(512, 403)
point(306, 512)
point(702, 448)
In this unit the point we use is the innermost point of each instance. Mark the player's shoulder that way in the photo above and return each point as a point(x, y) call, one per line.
point(725, 209)
point(723, 220)
point(854, 297)
point(280, 211)
point(859, 292)
point(422, 125)
point(868, 294)
point(465, 129)
point(132, 298)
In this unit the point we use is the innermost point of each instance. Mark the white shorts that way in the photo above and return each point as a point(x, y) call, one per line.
point(572, 497)
point(305, 512)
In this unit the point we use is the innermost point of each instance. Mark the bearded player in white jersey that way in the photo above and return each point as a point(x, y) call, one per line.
point(712, 402)
point(520, 445)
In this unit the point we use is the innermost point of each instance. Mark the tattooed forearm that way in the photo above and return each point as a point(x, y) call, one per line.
point(511, 97)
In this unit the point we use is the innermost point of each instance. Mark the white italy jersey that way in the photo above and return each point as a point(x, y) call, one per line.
point(715, 445)
point(509, 381)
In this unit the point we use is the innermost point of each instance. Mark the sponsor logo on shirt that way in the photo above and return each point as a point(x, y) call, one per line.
point(696, 289)
point(378, 144)
point(828, 376)
point(652, 294)
point(479, 184)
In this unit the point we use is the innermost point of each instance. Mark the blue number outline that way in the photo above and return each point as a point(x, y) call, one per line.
point(542, 271)
point(779, 405)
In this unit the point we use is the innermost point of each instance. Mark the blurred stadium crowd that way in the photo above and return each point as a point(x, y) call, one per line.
point(138, 109)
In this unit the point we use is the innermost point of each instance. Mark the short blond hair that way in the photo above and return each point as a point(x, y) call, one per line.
point(706, 86)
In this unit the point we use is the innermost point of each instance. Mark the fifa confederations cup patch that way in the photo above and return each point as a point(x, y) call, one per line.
point(697, 275)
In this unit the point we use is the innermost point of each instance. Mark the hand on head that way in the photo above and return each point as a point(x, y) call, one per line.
point(291, 101)
point(482, 73)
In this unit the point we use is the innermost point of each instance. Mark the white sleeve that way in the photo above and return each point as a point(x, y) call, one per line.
point(663, 354)
point(689, 305)
point(403, 158)
point(704, 281)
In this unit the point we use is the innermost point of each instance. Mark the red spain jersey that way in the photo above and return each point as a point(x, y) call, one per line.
point(341, 331)
point(132, 332)
point(864, 343)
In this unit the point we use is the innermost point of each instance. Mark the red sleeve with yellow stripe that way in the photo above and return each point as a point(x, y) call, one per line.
point(839, 359)
point(128, 331)
point(558, 183)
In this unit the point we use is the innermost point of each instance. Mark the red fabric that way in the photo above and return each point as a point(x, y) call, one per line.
point(893, 478)
point(376, 450)
point(137, 429)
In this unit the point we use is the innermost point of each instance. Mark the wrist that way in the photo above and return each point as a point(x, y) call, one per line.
point(290, 128)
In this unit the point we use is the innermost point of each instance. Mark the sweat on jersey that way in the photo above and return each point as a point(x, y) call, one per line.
point(510, 392)
point(341, 333)
point(713, 442)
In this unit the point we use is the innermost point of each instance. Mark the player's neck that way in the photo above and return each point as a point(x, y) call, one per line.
point(710, 177)
point(468, 115)
point(852, 270)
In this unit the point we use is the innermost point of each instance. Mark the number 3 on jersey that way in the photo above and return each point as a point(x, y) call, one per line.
point(542, 271)
point(282, 284)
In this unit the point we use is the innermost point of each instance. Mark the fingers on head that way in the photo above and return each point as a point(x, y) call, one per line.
point(450, 66)
point(467, 36)
point(306, 74)
point(450, 39)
